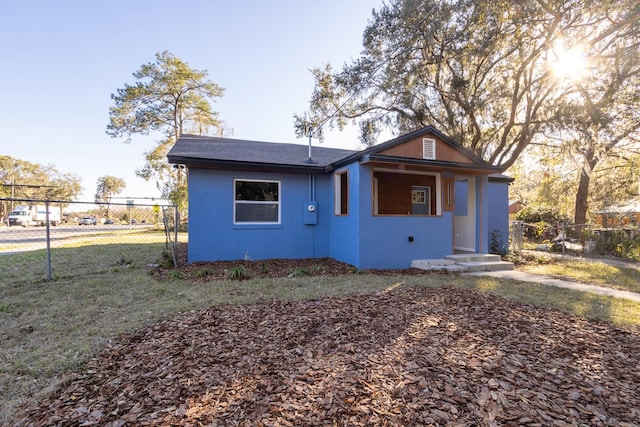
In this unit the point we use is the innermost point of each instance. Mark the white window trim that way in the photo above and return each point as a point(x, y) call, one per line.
point(248, 202)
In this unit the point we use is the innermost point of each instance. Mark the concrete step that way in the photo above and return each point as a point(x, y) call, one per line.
point(487, 266)
point(426, 263)
point(438, 265)
point(474, 258)
point(461, 263)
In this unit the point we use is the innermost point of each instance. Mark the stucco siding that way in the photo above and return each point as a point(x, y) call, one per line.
point(211, 200)
point(344, 231)
point(385, 240)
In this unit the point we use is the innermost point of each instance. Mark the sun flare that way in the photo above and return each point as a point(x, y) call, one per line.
point(568, 63)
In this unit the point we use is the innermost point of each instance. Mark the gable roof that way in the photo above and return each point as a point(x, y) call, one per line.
point(377, 152)
point(216, 152)
point(209, 151)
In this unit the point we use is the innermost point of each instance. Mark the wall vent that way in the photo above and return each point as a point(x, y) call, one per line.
point(428, 148)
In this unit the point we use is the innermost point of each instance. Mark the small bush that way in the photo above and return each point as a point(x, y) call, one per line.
point(497, 245)
point(207, 271)
point(176, 275)
point(238, 272)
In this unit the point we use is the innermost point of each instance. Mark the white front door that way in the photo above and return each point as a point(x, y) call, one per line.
point(464, 214)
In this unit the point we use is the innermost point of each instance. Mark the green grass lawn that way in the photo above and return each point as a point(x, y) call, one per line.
point(49, 328)
point(596, 273)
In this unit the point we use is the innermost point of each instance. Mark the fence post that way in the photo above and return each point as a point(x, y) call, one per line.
point(47, 225)
point(176, 216)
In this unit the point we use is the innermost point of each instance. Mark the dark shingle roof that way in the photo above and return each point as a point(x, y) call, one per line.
point(194, 150)
point(215, 152)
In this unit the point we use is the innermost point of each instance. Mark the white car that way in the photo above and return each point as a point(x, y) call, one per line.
point(87, 220)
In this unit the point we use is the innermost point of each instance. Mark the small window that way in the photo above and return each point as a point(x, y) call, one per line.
point(341, 201)
point(256, 202)
point(418, 196)
point(428, 148)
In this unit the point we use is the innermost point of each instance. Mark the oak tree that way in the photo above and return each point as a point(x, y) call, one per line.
point(482, 71)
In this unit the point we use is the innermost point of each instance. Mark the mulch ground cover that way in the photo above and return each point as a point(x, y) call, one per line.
point(398, 358)
point(270, 268)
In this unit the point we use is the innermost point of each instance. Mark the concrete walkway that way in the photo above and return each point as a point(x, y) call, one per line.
point(549, 281)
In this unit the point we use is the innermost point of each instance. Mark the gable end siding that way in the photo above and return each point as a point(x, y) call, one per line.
point(414, 149)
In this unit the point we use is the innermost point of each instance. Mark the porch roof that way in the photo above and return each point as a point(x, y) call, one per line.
point(478, 168)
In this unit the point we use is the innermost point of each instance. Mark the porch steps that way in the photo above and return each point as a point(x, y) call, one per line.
point(464, 263)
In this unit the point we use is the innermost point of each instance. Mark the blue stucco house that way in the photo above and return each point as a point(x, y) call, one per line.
point(421, 195)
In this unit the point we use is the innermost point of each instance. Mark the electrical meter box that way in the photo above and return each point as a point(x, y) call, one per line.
point(311, 213)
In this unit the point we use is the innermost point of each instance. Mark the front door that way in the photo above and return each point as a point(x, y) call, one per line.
point(420, 200)
point(464, 214)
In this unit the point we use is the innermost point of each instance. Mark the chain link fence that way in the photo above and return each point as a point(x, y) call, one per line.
point(50, 239)
point(583, 239)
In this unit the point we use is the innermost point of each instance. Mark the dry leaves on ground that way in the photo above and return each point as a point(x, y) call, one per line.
point(402, 357)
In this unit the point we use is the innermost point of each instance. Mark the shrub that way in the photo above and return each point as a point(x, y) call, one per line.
point(541, 219)
point(176, 275)
point(207, 271)
point(497, 245)
point(238, 272)
point(542, 213)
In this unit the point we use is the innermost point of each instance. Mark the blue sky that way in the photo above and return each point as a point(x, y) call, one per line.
point(62, 60)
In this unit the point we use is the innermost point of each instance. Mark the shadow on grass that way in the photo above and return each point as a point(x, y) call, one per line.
point(408, 345)
point(51, 330)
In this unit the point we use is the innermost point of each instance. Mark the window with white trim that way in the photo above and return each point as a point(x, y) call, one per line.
point(256, 201)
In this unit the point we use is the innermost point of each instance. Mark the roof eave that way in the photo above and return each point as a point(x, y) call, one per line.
point(240, 165)
point(485, 167)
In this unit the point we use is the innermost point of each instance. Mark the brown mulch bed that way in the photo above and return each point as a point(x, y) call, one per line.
point(275, 267)
point(403, 357)
point(218, 270)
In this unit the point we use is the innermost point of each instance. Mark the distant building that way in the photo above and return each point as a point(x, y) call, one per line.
point(515, 206)
point(624, 215)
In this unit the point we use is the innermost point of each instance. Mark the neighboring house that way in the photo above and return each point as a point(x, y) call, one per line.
point(418, 196)
point(624, 215)
point(515, 206)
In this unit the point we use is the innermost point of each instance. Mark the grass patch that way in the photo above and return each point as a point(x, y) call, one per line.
point(50, 328)
point(83, 256)
point(597, 273)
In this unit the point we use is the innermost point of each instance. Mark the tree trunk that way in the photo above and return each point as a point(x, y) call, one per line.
point(582, 196)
